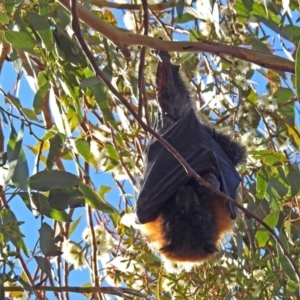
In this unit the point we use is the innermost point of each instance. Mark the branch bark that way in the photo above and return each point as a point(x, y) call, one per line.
point(124, 39)
point(82, 290)
point(156, 6)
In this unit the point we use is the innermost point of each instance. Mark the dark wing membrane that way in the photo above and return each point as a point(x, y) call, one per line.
point(164, 174)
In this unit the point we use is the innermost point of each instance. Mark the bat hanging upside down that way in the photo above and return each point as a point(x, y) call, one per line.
point(181, 219)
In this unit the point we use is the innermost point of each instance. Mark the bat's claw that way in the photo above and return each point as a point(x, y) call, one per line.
point(211, 178)
point(163, 56)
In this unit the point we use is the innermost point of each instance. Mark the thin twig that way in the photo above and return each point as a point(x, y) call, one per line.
point(82, 290)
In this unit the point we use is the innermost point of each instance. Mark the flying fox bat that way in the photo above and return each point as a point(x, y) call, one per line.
point(183, 220)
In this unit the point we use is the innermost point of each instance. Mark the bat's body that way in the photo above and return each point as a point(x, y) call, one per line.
point(182, 219)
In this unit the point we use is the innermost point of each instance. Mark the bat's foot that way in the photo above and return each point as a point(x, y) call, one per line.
point(211, 178)
point(163, 56)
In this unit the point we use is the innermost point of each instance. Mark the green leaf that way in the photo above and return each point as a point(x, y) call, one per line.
point(104, 189)
point(100, 92)
point(261, 183)
point(38, 101)
point(18, 169)
point(293, 31)
point(112, 152)
point(293, 179)
point(49, 180)
point(134, 85)
point(275, 191)
point(83, 149)
point(43, 263)
point(13, 100)
point(63, 16)
point(21, 40)
point(74, 225)
point(269, 157)
point(42, 206)
point(43, 78)
point(292, 286)
point(30, 114)
point(4, 19)
point(25, 284)
point(186, 17)
point(9, 6)
point(179, 4)
point(88, 82)
point(56, 146)
point(67, 49)
point(243, 9)
point(42, 28)
point(8, 217)
point(285, 264)
point(93, 199)
point(44, 10)
point(262, 235)
point(66, 198)
point(48, 241)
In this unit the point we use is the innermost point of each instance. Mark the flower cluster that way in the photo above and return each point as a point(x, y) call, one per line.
point(103, 240)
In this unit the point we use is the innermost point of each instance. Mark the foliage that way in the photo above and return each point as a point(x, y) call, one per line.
point(65, 150)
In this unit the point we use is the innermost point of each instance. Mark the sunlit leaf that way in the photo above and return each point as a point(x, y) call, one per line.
point(261, 183)
point(55, 151)
point(93, 199)
point(14, 234)
point(42, 28)
point(263, 234)
point(101, 97)
point(20, 40)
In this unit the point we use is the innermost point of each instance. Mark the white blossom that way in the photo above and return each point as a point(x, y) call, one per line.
point(285, 145)
point(129, 20)
point(129, 219)
point(73, 254)
point(251, 140)
point(125, 265)
point(242, 82)
point(178, 267)
point(259, 275)
point(103, 240)
point(267, 102)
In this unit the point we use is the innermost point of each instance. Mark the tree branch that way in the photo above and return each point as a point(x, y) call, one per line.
point(123, 39)
point(118, 291)
point(156, 6)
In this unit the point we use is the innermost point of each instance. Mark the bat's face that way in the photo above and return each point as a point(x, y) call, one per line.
point(189, 226)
